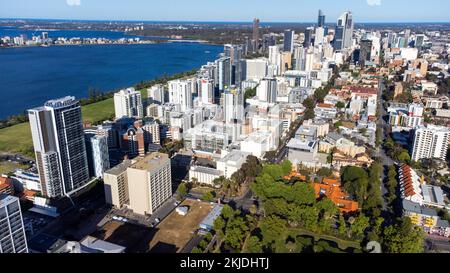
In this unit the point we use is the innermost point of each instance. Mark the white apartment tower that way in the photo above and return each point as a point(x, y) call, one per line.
point(97, 152)
point(59, 145)
point(180, 92)
point(128, 103)
point(430, 142)
point(12, 232)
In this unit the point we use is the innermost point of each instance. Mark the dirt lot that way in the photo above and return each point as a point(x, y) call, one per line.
point(175, 231)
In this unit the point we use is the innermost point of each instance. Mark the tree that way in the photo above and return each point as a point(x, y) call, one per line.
point(182, 190)
point(403, 237)
point(271, 229)
point(286, 166)
point(340, 105)
point(359, 225)
point(208, 197)
point(326, 172)
point(253, 245)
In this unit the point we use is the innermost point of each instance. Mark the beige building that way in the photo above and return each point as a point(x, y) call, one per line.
point(149, 183)
point(116, 185)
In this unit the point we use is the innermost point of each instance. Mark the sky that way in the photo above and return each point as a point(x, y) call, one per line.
point(228, 10)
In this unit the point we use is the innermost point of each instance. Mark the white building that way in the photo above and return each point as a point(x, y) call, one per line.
point(26, 180)
point(128, 103)
point(97, 152)
point(232, 162)
point(256, 69)
point(12, 231)
point(430, 142)
point(180, 92)
point(267, 90)
point(258, 143)
point(206, 91)
point(157, 94)
point(204, 175)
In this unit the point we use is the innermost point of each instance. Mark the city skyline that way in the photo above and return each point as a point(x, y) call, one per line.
point(366, 11)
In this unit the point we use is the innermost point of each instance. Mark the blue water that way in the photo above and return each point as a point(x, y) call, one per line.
point(30, 76)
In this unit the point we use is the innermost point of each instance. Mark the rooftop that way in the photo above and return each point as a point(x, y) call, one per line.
point(122, 167)
point(151, 161)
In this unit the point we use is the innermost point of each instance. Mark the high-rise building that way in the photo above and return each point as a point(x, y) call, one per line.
point(420, 39)
point(206, 91)
point(319, 37)
point(267, 90)
point(149, 183)
point(224, 73)
point(233, 105)
point(430, 142)
point(156, 94)
point(235, 53)
point(180, 92)
point(309, 34)
point(344, 31)
point(365, 52)
point(116, 185)
point(97, 153)
point(321, 19)
point(59, 144)
point(128, 103)
point(300, 58)
point(288, 40)
point(256, 35)
point(12, 232)
point(407, 36)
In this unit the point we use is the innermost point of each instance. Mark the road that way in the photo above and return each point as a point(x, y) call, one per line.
point(386, 161)
point(436, 243)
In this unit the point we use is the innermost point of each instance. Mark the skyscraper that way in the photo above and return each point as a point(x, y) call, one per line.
point(321, 19)
point(256, 34)
point(344, 31)
point(128, 103)
point(156, 94)
point(59, 144)
point(288, 40)
point(309, 33)
point(267, 90)
point(12, 232)
point(224, 73)
point(233, 105)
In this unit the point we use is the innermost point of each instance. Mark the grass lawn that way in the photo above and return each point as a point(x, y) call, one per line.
point(17, 138)
point(7, 167)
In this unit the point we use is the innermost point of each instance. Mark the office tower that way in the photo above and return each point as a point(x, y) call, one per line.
point(343, 32)
point(321, 19)
point(391, 38)
point(309, 33)
point(430, 142)
point(156, 94)
point(149, 183)
point(274, 55)
point(309, 60)
point(206, 91)
point(12, 232)
point(365, 52)
point(44, 36)
point(180, 92)
point(420, 39)
point(58, 140)
point(319, 37)
point(116, 185)
point(255, 35)
point(233, 105)
point(299, 58)
point(288, 40)
point(268, 40)
point(97, 153)
point(235, 53)
point(133, 142)
point(267, 90)
point(407, 36)
point(128, 103)
point(224, 73)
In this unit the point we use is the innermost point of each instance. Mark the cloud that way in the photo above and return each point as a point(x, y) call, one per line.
point(374, 2)
point(73, 2)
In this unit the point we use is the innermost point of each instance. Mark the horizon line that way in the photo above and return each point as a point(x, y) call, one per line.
point(201, 21)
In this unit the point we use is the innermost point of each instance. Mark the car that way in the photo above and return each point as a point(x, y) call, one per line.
point(157, 220)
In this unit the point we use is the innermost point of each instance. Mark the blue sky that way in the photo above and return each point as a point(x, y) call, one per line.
point(228, 10)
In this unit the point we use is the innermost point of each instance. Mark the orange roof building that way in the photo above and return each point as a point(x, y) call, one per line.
point(6, 186)
point(331, 188)
point(295, 174)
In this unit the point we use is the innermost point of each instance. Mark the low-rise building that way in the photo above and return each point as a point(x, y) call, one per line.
point(232, 162)
point(204, 175)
